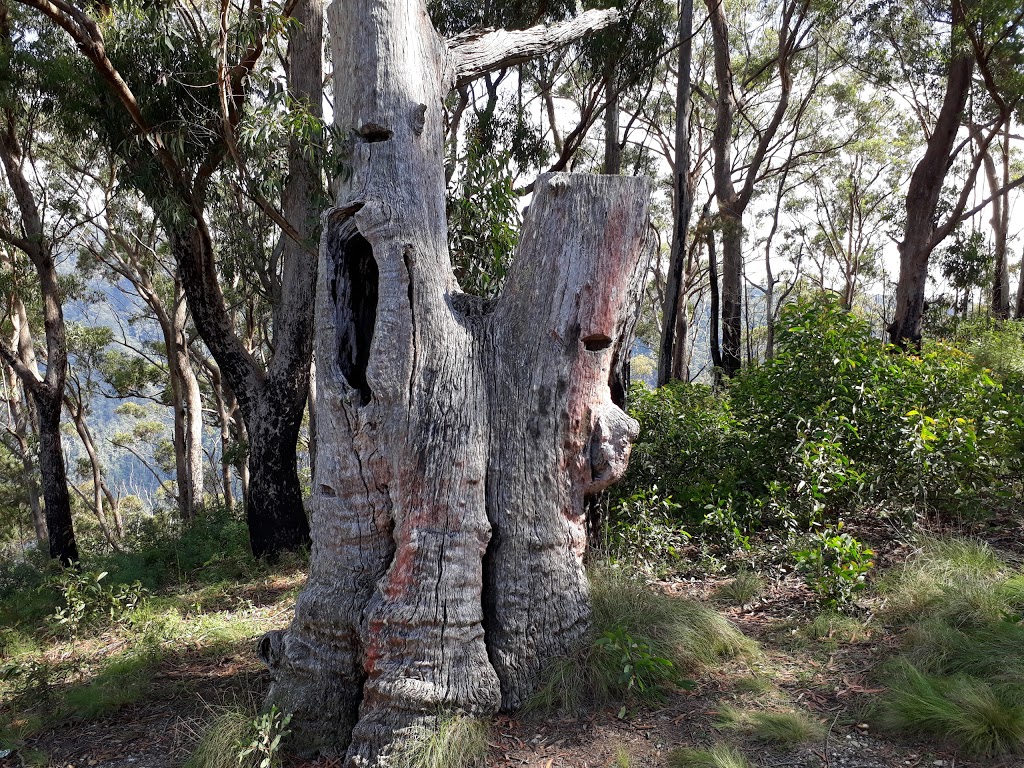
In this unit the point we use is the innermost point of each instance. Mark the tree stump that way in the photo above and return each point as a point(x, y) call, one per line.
point(458, 437)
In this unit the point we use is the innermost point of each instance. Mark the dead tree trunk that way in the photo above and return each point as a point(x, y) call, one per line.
point(457, 436)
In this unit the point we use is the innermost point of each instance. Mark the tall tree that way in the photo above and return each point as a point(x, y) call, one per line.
point(984, 36)
point(434, 406)
point(672, 356)
point(795, 25)
point(33, 238)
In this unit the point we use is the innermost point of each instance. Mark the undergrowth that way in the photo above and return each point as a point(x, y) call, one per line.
point(960, 673)
point(642, 642)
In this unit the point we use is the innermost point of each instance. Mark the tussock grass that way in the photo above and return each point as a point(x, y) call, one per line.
point(835, 628)
point(754, 684)
point(979, 716)
point(717, 756)
point(960, 675)
point(221, 742)
point(452, 741)
point(741, 589)
point(787, 728)
point(671, 637)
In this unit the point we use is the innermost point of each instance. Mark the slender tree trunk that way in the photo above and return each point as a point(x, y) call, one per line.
point(612, 148)
point(1018, 311)
point(78, 416)
point(1000, 230)
point(23, 413)
point(713, 331)
point(458, 436)
point(923, 197)
point(673, 328)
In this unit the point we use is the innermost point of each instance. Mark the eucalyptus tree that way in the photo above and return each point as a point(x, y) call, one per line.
point(981, 80)
point(757, 89)
point(20, 435)
point(126, 247)
point(170, 88)
point(845, 207)
point(459, 436)
point(37, 226)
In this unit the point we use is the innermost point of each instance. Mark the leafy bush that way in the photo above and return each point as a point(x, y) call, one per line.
point(837, 421)
point(86, 601)
point(835, 565)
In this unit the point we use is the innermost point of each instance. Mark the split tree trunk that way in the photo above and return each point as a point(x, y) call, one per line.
point(458, 436)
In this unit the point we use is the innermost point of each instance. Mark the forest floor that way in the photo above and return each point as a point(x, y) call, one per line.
point(120, 706)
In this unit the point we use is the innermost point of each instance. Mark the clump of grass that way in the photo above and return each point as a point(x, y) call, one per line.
point(741, 589)
point(786, 727)
point(979, 716)
point(960, 674)
point(957, 578)
point(622, 757)
point(661, 639)
point(122, 682)
point(222, 740)
point(717, 756)
point(450, 741)
point(754, 684)
point(835, 628)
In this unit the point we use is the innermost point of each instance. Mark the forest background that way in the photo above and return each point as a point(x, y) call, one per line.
point(833, 313)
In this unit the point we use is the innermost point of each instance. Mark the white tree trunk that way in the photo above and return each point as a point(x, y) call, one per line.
point(457, 436)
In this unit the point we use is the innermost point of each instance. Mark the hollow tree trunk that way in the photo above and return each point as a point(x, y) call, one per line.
point(457, 436)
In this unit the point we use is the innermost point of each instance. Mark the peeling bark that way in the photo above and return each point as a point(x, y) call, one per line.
point(458, 437)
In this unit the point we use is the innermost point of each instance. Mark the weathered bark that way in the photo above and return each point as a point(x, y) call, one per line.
point(923, 197)
point(457, 436)
point(671, 359)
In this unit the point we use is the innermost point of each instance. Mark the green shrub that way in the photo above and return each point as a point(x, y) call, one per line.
point(85, 601)
point(835, 421)
point(835, 565)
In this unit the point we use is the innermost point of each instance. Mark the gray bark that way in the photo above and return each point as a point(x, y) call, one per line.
point(457, 436)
